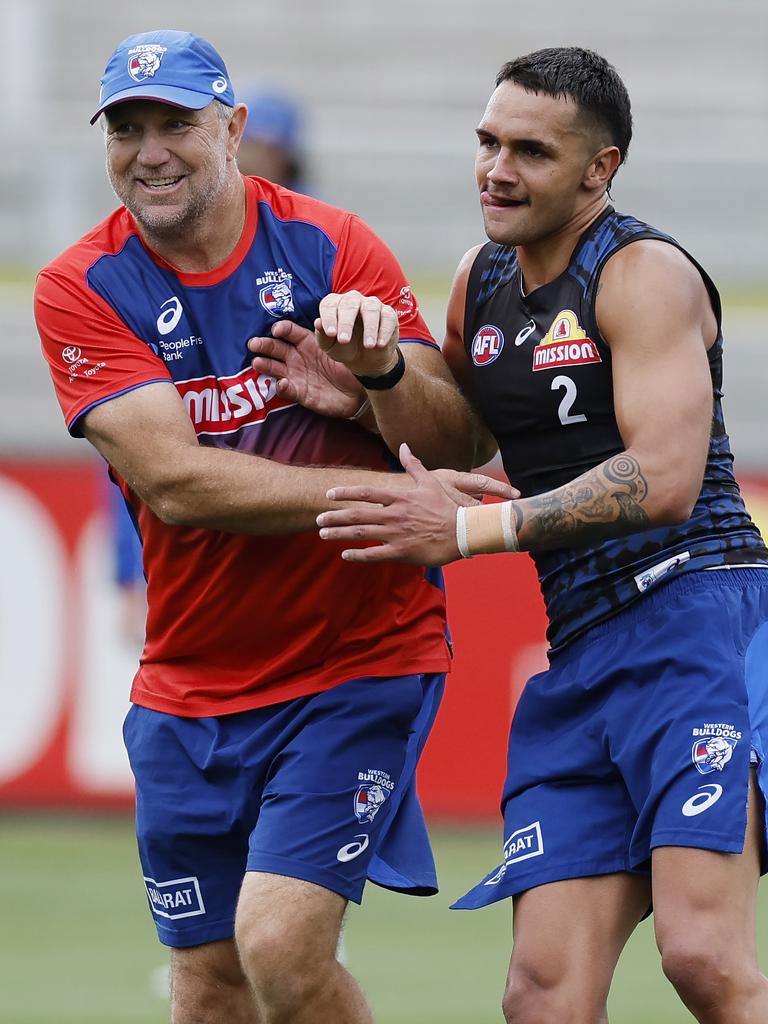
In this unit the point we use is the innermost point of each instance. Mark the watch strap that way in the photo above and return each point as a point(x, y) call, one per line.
point(387, 380)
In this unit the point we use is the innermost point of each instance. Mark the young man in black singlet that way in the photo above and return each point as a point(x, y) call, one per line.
point(590, 344)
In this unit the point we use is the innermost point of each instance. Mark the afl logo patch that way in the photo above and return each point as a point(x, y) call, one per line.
point(487, 345)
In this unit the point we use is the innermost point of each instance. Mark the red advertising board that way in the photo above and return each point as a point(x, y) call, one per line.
point(65, 667)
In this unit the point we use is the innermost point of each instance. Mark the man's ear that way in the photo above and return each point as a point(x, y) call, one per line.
point(602, 168)
point(235, 130)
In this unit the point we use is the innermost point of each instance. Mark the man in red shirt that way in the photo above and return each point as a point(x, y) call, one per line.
point(283, 695)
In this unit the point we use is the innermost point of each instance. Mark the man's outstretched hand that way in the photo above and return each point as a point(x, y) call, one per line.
point(415, 524)
point(304, 373)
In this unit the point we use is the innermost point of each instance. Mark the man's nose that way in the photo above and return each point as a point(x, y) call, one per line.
point(152, 152)
point(504, 169)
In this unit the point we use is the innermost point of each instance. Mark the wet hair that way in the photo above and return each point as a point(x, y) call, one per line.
point(582, 76)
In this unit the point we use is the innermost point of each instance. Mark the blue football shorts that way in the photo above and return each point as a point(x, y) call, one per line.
point(640, 734)
point(319, 788)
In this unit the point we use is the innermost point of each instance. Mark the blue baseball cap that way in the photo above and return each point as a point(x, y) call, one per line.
point(179, 68)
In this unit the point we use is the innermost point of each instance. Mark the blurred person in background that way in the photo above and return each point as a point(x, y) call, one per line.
point(591, 345)
point(127, 569)
point(283, 696)
point(272, 142)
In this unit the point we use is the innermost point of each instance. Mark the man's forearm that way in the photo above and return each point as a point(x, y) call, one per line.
point(430, 415)
point(610, 500)
point(240, 493)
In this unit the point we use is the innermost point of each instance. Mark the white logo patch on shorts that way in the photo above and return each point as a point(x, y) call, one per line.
point(703, 800)
point(180, 897)
point(645, 580)
point(352, 850)
point(523, 844)
point(371, 796)
point(713, 746)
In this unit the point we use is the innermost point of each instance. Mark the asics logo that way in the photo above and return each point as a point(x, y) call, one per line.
point(703, 800)
point(170, 318)
point(526, 332)
point(352, 850)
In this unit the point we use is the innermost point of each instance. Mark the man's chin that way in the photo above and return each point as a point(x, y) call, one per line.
point(159, 219)
point(502, 236)
point(500, 231)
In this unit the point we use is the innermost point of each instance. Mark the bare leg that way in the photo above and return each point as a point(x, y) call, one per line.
point(567, 939)
point(704, 908)
point(287, 933)
point(209, 987)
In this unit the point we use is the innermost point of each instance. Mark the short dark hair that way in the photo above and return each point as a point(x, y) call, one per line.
point(583, 76)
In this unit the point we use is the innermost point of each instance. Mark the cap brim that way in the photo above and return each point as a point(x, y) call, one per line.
point(187, 99)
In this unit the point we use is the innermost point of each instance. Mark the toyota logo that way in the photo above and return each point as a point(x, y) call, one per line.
point(71, 354)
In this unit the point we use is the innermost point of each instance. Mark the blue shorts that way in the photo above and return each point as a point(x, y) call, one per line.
point(640, 734)
point(319, 788)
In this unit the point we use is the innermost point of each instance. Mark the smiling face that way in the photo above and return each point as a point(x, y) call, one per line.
point(540, 163)
point(168, 165)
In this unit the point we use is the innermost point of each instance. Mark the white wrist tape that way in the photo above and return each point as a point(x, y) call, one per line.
point(484, 529)
point(461, 532)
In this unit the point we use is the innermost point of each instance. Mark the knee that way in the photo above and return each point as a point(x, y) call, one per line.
point(286, 971)
point(521, 996)
point(538, 995)
point(209, 994)
point(704, 974)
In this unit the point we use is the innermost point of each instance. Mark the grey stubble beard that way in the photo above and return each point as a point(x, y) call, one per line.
point(164, 228)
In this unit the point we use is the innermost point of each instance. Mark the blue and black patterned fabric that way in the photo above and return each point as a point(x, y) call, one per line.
point(542, 382)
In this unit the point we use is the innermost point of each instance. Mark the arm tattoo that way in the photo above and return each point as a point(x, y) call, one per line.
point(607, 501)
point(623, 469)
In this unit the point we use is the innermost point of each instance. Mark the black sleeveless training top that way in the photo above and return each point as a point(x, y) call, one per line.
point(542, 382)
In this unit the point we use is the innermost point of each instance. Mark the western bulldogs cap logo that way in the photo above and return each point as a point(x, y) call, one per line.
point(144, 61)
point(173, 67)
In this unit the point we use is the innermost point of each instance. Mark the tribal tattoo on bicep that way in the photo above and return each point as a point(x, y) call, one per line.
point(604, 502)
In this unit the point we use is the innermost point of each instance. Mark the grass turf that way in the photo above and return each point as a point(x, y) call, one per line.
point(77, 944)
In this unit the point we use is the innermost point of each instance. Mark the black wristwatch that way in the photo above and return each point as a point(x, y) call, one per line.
point(386, 380)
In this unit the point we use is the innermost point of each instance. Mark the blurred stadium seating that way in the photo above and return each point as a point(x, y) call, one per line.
point(393, 93)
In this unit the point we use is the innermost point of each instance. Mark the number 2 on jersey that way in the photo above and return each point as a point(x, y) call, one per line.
point(566, 404)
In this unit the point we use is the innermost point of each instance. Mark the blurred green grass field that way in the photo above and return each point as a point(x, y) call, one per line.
point(77, 944)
